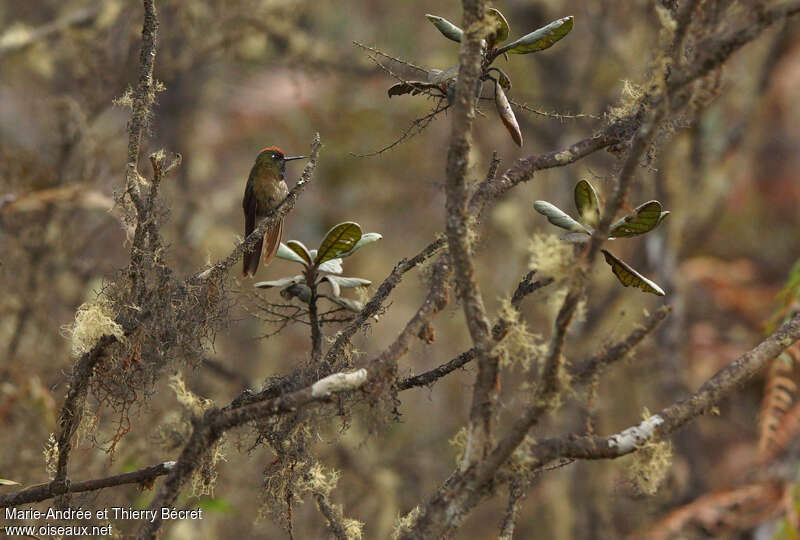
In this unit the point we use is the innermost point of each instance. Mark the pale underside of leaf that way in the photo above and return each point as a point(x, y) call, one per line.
point(282, 282)
point(350, 305)
point(448, 29)
point(630, 277)
point(540, 39)
point(338, 283)
point(558, 217)
point(332, 266)
point(365, 240)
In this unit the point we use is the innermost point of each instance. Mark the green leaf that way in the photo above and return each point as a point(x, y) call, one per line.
point(501, 33)
point(502, 78)
point(282, 282)
point(340, 239)
point(366, 239)
point(647, 216)
point(285, 253)
point(540, 39)
point(558, 218)
point(4, 482)
point(332, 266)
point(506, 114)
point(587, 203)
point(338, 283)
point(630, 277)
point(448, 29)
point(300, 249)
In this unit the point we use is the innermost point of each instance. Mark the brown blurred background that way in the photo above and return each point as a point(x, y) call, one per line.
point(241, 75)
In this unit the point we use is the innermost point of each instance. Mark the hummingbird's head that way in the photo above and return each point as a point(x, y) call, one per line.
point(273, 159)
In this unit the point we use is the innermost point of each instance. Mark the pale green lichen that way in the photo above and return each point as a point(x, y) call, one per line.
point(651, 463)
point(318, 480)
point(192, 402)
point(519, 346)
point(404, 524)
point(550, 257)
point(51, 456)
point(459, 443)
point(92, 321)
point(353, 529)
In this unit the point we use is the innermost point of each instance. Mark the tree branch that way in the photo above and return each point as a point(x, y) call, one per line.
point(286, 205)
point(46, 491)
point(525, 287)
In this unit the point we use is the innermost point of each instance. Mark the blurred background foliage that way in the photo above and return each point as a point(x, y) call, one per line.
point(239, 75)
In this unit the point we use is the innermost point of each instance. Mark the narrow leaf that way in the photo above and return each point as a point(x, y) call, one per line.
point(282, 282)
point(575, 238)
point(340, 239)
point(630, 277)
point(5, 482)
point(300, 249)
point(350, 305)
point(587, 203)
point(501, 33)
point(558, 218)
point(645, 218)
point(413, 88)
point(540, 39)
point(448, 29)
point(506, 114)
point(338, 282)
point(285, 253)
point(332, 266)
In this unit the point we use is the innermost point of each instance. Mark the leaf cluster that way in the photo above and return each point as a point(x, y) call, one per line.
point(323, 264)
point(645, 218)
point(442, 83)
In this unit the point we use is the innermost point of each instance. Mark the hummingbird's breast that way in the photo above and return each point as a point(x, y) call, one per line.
point(269, 190)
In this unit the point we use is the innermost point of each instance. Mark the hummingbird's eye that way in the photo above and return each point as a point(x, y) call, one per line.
point(276, 157)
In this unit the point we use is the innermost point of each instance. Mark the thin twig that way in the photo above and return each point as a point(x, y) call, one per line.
point(525, 287)
point(49, 490)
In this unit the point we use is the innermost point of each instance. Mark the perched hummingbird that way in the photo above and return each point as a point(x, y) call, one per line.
point(265, 190)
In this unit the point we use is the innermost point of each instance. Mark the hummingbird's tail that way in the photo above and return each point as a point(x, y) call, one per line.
point(251, 260)
point(272, 240)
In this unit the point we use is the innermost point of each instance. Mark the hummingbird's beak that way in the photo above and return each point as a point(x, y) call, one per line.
point(293, 158)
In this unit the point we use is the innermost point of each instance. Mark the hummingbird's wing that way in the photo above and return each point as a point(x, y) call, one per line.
point(250, 260)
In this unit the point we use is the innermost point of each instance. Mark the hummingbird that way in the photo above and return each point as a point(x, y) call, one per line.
point(266, 188)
